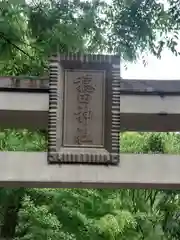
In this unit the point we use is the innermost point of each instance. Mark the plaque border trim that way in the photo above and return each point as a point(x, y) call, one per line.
point(54, 75)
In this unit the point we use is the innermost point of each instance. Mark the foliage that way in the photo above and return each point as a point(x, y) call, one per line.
point(140, 26)
point(31, 32)
point(36, 222)
point(41, 28)
point(90, 213)
point(22, 140)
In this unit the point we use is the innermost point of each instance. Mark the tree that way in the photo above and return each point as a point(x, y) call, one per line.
point(46, 28)
point(141, 26)
point(30, 32)
point(91, 213)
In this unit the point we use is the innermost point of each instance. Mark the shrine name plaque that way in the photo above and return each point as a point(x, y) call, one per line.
point(84, 109)
point(84, 112)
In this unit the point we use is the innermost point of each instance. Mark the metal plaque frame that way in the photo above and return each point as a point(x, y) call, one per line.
point(104, 72)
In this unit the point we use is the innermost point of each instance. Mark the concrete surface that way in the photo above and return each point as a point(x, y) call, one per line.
point(30, 169)
point(150, 104)
point(138, 113)
point(129, 103)
point(150, 122)
point(31, 120)
point(24, 101)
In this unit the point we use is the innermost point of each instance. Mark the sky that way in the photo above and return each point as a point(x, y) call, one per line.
point(168, 67)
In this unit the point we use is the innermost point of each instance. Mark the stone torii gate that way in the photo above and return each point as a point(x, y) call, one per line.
point(87, 154)
point(150, 105)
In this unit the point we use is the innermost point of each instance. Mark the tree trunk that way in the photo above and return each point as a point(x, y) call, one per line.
point(12, 208)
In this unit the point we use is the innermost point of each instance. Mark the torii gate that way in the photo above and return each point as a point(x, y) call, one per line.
point(150, 105)
point(143, 106)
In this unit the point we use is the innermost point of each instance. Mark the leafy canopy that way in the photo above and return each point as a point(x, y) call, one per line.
point(30, 32)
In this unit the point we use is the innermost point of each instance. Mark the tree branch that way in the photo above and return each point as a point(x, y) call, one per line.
point(14, 45)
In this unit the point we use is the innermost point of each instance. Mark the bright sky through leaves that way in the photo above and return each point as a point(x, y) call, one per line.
point(168, 67)
point(165, 68)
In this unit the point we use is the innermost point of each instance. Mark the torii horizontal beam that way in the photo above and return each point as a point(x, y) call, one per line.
point(30, 169)
point(29, 109)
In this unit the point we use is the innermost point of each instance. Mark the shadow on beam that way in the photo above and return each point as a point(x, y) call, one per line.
point(34, 120)
point(150, 122)
point(31, 120)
